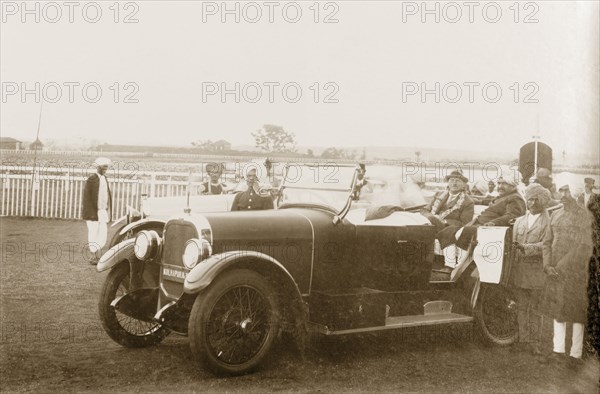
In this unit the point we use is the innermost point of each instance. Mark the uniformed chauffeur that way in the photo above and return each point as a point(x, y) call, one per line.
point(251, 199)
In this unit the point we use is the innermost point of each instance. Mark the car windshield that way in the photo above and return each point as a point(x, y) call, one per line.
point(325, 185)
point(332, 185)
point(390, 185)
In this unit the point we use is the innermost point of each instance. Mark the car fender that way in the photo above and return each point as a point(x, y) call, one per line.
point(121, 251)
point(137, 226)
point(202, 275)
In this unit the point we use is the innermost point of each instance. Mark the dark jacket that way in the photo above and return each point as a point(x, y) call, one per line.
point(568, 248)
point(250, 200)
point(527, 270)
point(459, 217)
point(209, 188)
point(503, 209)
point(89, 203)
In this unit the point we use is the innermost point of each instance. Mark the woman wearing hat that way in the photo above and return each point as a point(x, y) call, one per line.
point(453, 207)
point(527, 273)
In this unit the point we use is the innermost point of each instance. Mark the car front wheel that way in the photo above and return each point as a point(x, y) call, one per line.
point(496, 315)
point(125, 330)
point(234, 322)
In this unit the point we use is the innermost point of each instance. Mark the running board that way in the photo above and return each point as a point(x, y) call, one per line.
point(395, 322)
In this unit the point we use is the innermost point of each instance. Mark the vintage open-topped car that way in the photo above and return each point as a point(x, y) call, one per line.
point(318, 263)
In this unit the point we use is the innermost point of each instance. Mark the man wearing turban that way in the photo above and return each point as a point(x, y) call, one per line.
point(527, 273)
point(96, 208)
point(567, 250)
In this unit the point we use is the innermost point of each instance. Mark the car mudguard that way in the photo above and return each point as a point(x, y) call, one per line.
point(202, 275)
point(121, 251)
point(137, 226)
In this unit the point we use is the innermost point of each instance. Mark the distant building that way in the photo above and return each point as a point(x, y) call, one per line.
point(36, 145)
point(10, 143)
point(220, 145)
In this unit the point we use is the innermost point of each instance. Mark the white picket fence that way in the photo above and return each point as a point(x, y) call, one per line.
point(57, 192)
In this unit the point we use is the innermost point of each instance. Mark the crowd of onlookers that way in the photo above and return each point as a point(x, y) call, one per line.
point(556, 266)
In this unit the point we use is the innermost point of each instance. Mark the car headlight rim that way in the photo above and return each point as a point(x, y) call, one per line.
point(195, 250)
point(146, 245)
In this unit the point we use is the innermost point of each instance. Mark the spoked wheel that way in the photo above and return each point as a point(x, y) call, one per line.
point(233, 324)
point(125, 330)
point(496, 315)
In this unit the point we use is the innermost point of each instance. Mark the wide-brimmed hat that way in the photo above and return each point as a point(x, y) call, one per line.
point(102, 161)
point(456, 174)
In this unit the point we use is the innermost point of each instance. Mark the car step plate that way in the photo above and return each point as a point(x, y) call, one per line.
point(394, 322)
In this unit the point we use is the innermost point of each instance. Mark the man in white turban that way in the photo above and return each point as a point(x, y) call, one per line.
point(96, 208)
point(527, 273)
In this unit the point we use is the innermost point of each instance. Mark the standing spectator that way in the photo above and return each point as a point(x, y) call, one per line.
point(492, 189)
point(214, 185)
point(251, 199)
point(361, 181)
point(527, 274)
point(97, 208)
point(543, 176)
point(584, 198)
point(594, 275)
point(566, 254)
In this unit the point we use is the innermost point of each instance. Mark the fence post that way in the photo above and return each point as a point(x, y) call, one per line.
point(152, 185)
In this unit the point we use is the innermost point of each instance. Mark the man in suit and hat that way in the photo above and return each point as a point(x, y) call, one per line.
point(96, 208)
point(452, 207)
point(584, 198)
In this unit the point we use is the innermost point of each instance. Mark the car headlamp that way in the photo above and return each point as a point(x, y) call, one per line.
point(146, 245)
point(195, 251)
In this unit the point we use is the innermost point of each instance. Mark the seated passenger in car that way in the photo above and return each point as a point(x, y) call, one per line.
point(214, 185)
point(508, 206)
point(452, 207)
point(251, 199)
point(502, 210)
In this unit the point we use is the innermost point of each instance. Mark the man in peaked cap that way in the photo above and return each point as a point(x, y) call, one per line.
point(97, 207)
point(584, 198)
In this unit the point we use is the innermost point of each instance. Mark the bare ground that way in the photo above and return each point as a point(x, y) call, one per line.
point(52, 340)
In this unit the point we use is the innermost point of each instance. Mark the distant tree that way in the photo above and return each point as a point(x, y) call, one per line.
point(273, 138)
point(202, 144)
point(310, 153)
point(418, 154)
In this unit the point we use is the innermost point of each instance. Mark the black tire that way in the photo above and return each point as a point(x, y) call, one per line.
point(227, 336)
point(496, 315)
point(125, 330)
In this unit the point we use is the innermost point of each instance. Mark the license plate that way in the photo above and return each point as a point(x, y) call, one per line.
point(174, 274)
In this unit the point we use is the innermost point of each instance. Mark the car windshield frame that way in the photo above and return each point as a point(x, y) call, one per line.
point(296, 179)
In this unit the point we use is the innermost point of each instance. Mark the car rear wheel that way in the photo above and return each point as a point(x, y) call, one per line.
point(125, 330)
point(234, 323)
point(496, 315)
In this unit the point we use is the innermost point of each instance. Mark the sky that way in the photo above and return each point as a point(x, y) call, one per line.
point(343, 74)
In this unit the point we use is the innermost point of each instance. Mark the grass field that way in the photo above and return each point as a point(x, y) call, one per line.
point(52, 340)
